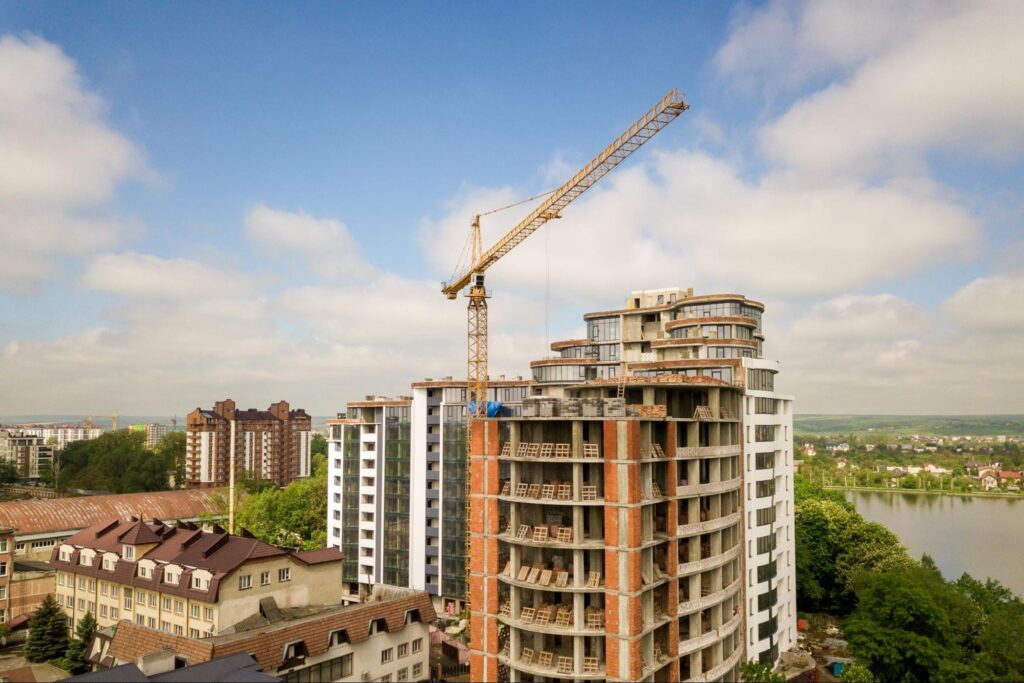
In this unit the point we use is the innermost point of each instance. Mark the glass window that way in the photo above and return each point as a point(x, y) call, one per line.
point(245, 581)
point(765, 488)
point(386, 655)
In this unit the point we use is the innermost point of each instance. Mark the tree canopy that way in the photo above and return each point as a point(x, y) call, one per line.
point(77, 660)
point(117, 462)
point(294, 516)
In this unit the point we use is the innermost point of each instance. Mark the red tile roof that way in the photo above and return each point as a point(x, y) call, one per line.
point(69, 514)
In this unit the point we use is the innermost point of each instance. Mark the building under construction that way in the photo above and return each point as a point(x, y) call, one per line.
point(635, 521)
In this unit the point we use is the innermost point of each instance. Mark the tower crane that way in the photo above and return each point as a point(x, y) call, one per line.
point(646, 127)
point(113, 419)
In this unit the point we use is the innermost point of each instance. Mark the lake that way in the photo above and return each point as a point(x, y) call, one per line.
point(981, 536)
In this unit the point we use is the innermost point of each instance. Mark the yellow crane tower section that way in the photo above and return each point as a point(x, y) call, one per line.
point(646, 127)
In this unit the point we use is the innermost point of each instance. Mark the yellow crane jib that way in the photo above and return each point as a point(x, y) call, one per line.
point(646, 127)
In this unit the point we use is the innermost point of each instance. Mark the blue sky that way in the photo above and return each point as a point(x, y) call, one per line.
point(268, 179)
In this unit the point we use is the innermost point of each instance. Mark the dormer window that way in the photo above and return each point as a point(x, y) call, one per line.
point(85, 560)
point(65, 555)
point(109, 563)
point(294, 653)
point(171, 577)
point(145, 572)
point(128, 552)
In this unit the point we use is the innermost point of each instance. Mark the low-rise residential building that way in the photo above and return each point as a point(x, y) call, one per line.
point(385, 638)
point(184, 580)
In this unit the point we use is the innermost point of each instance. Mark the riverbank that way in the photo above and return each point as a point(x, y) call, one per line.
point(928, 492)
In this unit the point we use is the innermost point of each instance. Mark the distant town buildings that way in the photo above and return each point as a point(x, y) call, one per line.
point(273, 444)
point(60, 435)
point(155, 433)
point(28, 452)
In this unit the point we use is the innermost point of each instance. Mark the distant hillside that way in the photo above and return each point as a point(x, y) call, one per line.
point(940, 425)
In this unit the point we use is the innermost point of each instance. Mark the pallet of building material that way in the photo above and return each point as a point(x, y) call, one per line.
point(523, 451)
point(703, 413)
point(524, 531)
point(591, 665)
point(527, 615)
point(563, 451)
point(547, 450)
point(532, 450)
point(655, 489)
point(724, 413)
point(506, 449)
point(589, 492)
point(524, 571)
point(545, 577)
point(657, 451)
point(543, 617)
point(564, 535)
point(506, 489)
point(530, 407)
point(565, 491)
point(650, 410)
point(563, 618)
point(505, 649)
point(614, 407)
point(593, 579)
point(591, 450)
point(561, 579)
point(564, 665)
point(547, 492)
point(526, 656)
point(533, 576)
point(533, 491)
point(507, 571)
point(569, 407)
point(505, 610)
point(544, 659)
point(521, 489)
point(595, 618)
point(510, 530)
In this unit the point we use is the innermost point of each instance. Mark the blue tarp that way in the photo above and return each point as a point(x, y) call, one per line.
point(493, 408)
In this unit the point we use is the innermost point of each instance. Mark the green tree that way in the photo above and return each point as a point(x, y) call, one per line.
point(910, 625)
point(318, 445)
point(78, 651)
point(293, 516)
point(1002, 648)
point(8, 472)
point(756, 672)
point(172, 448)
point(47, 632)
point(116, 461)
point(856, 673)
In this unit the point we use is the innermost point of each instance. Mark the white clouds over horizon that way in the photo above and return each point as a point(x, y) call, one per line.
point(841, 211)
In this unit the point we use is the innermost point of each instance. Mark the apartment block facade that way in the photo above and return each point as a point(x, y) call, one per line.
point(61, 435)
point(273, 444)
point(182, 580)
point(635, 522)
point(29, 453)
point(396, 488)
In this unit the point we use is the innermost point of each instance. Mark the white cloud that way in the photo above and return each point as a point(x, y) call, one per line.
point(946, 84)
point(784, 43)
point(690, 219)
point(326, 244)
point(142, 276)
point(990, 304)
point(60, 163)
point(882, 354)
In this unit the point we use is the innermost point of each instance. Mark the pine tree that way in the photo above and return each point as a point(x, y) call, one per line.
point(48, 632)
point(78, 651)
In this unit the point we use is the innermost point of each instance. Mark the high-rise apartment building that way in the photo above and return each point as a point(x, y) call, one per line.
point(29, 453)
point(273, 444)
point(397, 488)
point(635, 522)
